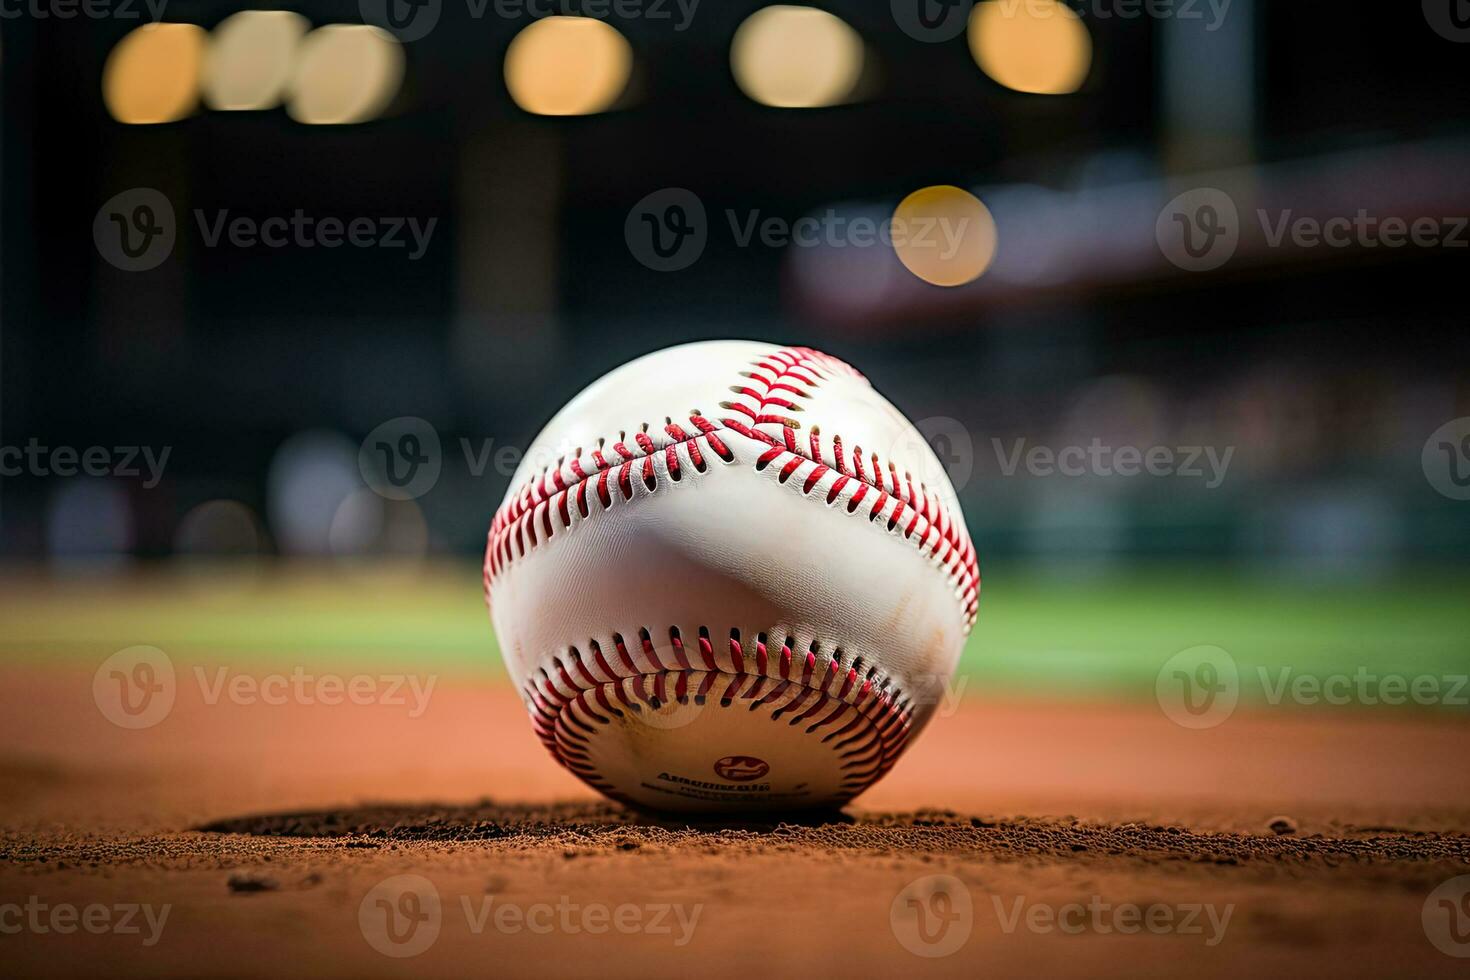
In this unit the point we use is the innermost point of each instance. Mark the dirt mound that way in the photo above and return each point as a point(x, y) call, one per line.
point(595, 826)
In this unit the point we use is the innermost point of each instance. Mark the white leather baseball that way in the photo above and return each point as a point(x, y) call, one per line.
point(730, 575)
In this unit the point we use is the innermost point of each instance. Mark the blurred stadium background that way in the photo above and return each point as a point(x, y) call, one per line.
point(528, 139)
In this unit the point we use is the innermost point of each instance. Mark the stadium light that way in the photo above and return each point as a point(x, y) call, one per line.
point(152, 74)
point(1035, 46)
point(567, 66)
point(250, 59)
point(345, 73)
point(944, 235)
point(796, 57)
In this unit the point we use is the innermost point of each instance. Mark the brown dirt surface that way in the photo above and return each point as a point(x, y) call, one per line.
point(1035, 838)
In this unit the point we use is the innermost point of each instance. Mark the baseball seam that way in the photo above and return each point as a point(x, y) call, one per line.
point(576, 692)
point(773, 393)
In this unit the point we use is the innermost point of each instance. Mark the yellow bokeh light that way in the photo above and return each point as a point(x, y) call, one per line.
point(567, 66)
point(944, 235)
point(1036, 46)
point(251, 55)
point(345, 73)
point(796, 57)
point(152, 75)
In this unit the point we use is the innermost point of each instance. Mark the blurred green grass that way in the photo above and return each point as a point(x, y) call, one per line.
point(1114, 634)
point(1037, 633)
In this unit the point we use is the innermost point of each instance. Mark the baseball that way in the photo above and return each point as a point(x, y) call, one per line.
point(730, 576)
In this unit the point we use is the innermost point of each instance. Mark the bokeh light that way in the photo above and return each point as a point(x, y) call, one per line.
point(345, 73)
point(944, 235)
point(796, 57)
point(91, 523)
point(1036, 46)
point(310, 476)
point(219, 528)
point(250, 58)
point(152, 75)
point(567, 66)
point(218, 551)
point(366, 525)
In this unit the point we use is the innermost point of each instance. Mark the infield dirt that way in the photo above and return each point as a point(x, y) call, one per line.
point(257, 828)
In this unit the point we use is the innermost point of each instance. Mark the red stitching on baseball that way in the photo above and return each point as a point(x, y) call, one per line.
point(790, 371)
point(567, 705)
